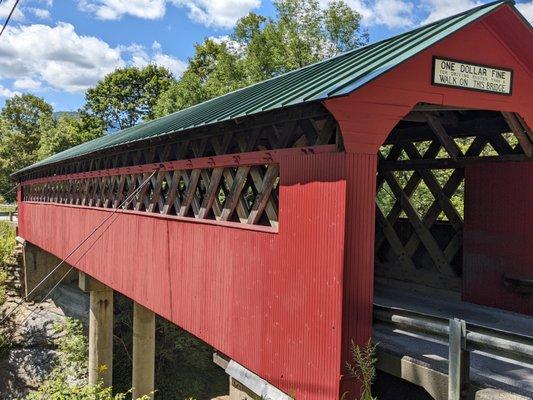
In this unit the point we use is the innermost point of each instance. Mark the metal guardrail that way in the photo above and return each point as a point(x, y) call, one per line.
point(9, 214)
point(462, 338)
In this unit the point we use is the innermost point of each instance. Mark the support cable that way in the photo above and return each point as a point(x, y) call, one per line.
point(126, 201)
point(9, 16)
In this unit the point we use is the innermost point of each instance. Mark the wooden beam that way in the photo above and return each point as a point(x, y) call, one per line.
point(447, 142)
point(436, 107)
point(487, 126)
point(520, 133)
point(234, 195)
point(211, 192)
point(447, 163)
point(263, 195)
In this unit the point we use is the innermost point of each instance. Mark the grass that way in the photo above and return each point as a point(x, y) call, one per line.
point(4, 208)
point(7, 247)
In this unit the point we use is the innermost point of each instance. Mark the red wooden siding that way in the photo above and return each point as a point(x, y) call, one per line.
point(498, 233)
point(368, 115)
point(359, 257)
point(271, 301)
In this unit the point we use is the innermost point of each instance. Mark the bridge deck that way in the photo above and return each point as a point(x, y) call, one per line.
point(430, 354)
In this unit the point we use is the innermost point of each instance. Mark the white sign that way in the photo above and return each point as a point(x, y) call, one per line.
point(471, 76)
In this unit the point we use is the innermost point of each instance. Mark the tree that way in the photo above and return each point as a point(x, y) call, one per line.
point(65, 132)
point(259, 48)
point(213, 70)
point(20, 122)
point(127, 95)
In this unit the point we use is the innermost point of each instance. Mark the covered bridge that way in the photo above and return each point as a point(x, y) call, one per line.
point(250, 220)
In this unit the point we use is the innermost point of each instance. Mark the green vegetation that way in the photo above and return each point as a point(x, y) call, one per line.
point(363, 367)
point(67, 381)
point(184, 364)
point(4, 208)
point(259, 48)
point(127, 96)
point(7, 247)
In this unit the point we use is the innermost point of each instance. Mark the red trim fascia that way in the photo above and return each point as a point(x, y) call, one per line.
point(192, 220)
point(228, 160)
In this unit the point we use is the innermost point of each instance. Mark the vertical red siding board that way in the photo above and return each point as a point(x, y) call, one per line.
point(498, 233)
point(359, 258)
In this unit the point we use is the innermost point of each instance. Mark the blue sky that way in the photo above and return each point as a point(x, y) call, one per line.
point(57, 48)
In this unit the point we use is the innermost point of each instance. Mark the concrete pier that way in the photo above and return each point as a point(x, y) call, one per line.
point(143, 351)
point(100, 330)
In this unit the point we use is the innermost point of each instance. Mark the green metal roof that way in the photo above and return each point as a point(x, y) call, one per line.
point(334, 77)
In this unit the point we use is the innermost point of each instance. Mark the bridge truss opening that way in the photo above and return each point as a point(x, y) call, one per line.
point(420, 211)
point(437, 256)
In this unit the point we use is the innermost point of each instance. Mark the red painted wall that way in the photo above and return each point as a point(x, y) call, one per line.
point(498, 233)
point(368, 115)
point(271, 301)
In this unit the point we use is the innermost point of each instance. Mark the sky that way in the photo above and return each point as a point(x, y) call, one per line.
point(56, 49)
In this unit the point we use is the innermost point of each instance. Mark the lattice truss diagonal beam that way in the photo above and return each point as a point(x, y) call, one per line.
point(420, 187)
point(245, 194)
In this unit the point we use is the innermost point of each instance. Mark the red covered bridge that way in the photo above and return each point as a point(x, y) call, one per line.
point(257, 230)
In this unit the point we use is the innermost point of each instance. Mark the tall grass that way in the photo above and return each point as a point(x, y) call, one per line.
point(7, 247)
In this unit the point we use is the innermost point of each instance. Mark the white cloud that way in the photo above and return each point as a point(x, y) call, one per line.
point(57, 56)
point(5, 9)
point(116, 9)
point(41, 13)
point(40, 56)
point(27, 84)
point(393, 13)
point(219, 13)
point(389, 13)
point(5, 92)
point(527, 10)
point(438, 9)
point(141, 58)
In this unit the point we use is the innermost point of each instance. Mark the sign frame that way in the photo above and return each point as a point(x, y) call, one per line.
point(433, 83)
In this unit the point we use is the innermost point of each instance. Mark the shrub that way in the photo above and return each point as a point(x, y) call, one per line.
point(363, 367)
point(7, 243)
point(3, 279)
point(67, 381)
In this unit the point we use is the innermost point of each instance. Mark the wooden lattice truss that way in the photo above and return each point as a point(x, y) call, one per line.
point(310, 125)
point(236, 191)
point(420, 187)
point(245, 194)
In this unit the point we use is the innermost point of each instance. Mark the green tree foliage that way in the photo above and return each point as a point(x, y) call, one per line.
point(7, 248)
point(184, 364)
point(65, 132)
point(127, 95)
point(20, 130)
point(259, 48)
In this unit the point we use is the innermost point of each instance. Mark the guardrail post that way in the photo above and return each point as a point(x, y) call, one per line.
point(458, 361)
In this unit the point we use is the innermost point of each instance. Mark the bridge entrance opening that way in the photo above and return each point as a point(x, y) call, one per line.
point(451, 239)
